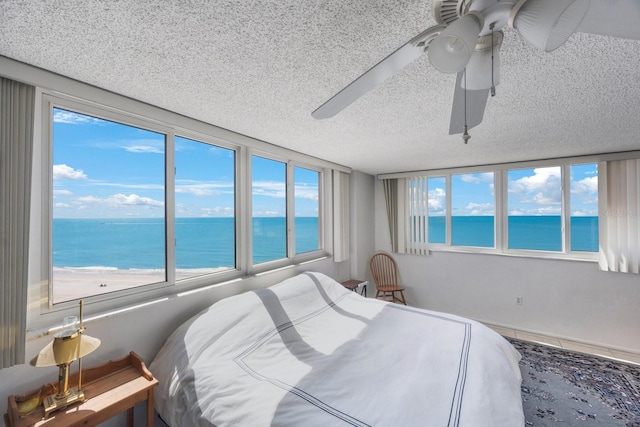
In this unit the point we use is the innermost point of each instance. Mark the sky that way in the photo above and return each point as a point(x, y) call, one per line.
point(103, 169)
point(107, 170)
point(533, 191)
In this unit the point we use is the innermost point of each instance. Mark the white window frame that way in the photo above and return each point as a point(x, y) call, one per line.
point(42, 314)
point(501, 212)
point(291, 256)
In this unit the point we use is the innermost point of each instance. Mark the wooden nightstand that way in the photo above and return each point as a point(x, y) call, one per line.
point(355, 284)
point(110, 389)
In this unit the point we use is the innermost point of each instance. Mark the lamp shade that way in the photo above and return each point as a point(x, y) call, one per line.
point(65, 349)
point(547, 24)
point(452, 49)
point(480, 66)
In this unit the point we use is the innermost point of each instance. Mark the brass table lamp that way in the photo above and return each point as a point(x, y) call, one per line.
point(68, 345)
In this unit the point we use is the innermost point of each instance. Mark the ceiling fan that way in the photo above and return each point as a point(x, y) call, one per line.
point(467, 41)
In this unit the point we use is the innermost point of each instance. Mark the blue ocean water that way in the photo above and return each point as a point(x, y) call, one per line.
point(210, 242)
point(200, 242)
point(525, 232)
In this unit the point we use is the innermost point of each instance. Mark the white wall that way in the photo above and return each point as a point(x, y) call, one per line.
point(565, 299)
point(362, 227)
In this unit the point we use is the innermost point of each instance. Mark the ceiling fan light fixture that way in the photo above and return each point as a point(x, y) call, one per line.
point(547, 24)
point(451, 50)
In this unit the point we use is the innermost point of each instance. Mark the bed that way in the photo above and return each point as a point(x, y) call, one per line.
point(308, 352)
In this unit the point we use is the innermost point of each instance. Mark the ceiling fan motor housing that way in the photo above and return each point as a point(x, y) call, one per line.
point(447, 11)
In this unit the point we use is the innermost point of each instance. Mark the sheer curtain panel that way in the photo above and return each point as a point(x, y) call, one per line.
point(341, 216)
point(17, 102)
point(395, 197)
point(619, 215)
point(418, 204)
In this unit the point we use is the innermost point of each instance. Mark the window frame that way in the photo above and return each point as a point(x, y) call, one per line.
point(291, 256)
point(501, 212)
point(42, 313)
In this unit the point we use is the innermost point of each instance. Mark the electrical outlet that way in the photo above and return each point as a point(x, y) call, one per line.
point(518, 300)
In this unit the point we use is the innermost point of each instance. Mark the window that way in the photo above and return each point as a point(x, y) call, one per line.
point(437, 209)
point(584, 207)
point(131, 211)
point(205, 224)
point(307, 209)
point(109, 224)
point(473, 210)
point(269, 205)
point(535, 208)
point(549, 210)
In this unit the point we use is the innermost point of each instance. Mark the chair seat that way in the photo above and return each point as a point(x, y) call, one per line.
point(390, 288)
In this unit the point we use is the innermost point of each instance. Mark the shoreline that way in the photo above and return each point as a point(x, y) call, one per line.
point(72, 283)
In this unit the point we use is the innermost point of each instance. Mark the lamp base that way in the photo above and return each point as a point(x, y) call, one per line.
point(58, 401)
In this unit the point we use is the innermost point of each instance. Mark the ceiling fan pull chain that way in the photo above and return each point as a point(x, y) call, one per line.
point(493, 86)
point(465, 136)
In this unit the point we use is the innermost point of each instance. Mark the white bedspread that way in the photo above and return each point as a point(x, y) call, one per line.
point(308, 352)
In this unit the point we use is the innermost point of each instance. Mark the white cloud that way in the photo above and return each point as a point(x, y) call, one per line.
point(437, 201)
point(585, 186)
point(480, 209)
point(201, 188)
point(62, 205)
point(68, 117)
point(593, 212)
point(274, 189)
point(61, 172)
point(217, 211)
point(122, 200)
point(541, 188)
point(144, 149)
point(62, 192)
point(305, 191)
point(266, 213)
point(477, 178)
point(196, 191)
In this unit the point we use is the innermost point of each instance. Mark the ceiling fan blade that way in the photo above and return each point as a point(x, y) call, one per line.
point(483, 71)
point(475, 105)
point(617, 18)
point(383, 70)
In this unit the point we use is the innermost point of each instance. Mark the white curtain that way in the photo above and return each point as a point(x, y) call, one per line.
point(341, 213)
point(417, 205)
point(395, 197)
point(16, 147)
point(619, 222)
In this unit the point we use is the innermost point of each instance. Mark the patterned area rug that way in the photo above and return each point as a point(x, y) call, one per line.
point(564, 388)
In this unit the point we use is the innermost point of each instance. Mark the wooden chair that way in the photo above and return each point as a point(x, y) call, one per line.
point(385, 276)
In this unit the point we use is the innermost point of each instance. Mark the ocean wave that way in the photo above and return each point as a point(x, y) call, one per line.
point(101, 269)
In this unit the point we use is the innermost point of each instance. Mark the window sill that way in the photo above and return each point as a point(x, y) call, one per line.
point(586, 257)
point(104, 309)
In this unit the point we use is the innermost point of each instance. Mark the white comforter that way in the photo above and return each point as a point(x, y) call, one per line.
point(308, 352)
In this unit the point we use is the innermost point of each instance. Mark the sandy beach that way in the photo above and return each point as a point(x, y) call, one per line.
point(76, 283)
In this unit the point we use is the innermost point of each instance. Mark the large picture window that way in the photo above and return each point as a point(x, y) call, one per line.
point(546, 210)
point(473, 210)
point(205, 224)
point(135, 208)
point(269, 206)
point(307, 209)
point(584, 207)
point(437, 209)
point(535, 197)
point(109, 225)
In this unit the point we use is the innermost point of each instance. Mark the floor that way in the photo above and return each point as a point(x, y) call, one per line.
point(632, 358)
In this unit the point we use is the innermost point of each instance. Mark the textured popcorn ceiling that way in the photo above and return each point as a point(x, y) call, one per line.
point(260, 68)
